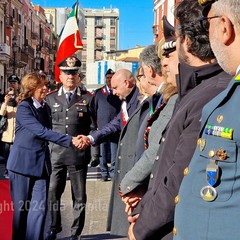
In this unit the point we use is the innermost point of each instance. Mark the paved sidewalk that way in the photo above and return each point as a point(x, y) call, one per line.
point(98, 194)
point(96, 214)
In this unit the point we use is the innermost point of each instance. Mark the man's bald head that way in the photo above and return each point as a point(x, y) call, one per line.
point(122, 83)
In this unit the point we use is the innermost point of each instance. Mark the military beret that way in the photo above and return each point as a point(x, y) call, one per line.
point(70, 64)
point(13, 78)
point(169, 35)
point(207, 6)
point(109, 71)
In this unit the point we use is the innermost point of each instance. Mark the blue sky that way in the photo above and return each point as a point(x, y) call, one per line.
point(136, 18)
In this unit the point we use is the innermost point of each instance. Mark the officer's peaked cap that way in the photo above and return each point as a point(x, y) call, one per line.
point(169, 35)
point(13, 78)
point(109, 71)
point(70, 63)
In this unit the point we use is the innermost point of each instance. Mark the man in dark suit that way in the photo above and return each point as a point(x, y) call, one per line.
point(107, 106)
point(123, 84)
point(199, 80)
point(131, 142)
point(72, 113)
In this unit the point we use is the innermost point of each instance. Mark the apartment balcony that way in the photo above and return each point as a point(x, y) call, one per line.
point(9, 21)
point(22, 59)
point(30, 50)
point(5, 53)
point(35, 36)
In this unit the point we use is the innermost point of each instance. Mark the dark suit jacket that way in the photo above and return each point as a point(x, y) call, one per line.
point(29, 154)
point(116, 124)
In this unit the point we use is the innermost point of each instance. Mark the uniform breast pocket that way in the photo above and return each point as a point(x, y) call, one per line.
point(224, 154)
point(82, 110)
point(56, 112)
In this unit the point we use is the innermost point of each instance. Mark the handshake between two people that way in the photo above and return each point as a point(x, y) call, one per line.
point(81, 142)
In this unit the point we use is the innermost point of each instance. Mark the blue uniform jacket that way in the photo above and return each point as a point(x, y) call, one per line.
point(29, 154)
point(218, 218)
point(107, 106)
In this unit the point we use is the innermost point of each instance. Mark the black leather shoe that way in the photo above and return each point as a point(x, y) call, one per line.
point(75, 237)
point(104, 179)
point(52, 234)
point(94, 163)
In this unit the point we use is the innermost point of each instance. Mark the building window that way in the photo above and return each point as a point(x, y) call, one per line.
point(112, 21)
point(112, 32)
point(98, 21)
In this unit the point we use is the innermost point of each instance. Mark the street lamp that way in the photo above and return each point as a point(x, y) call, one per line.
point(15, 49)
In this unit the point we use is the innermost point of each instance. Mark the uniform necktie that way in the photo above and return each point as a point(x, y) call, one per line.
point(124, 113)
point(68, 96)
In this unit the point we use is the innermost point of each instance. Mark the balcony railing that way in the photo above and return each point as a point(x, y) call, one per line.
point(4, 49)
point(34, 36)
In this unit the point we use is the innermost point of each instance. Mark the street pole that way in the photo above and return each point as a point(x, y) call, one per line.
point(14, 63)
point(14, 49)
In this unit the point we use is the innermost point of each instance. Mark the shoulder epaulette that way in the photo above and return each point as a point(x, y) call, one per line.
point(89, 93)
point(53, 91)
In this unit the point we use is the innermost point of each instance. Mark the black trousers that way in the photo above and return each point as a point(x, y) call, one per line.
point(77, 175)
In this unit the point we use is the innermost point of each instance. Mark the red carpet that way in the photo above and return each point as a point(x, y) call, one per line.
point(6, 211)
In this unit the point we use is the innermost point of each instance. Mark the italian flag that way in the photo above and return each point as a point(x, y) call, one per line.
point(70, 40)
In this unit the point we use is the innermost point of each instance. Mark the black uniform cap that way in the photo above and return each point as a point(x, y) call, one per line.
point(109, 71)
point(169, 35)
point(13, 78)
point(71, 63)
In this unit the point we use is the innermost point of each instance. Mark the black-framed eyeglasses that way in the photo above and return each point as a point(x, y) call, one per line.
point(203, 20)
point(139, 76)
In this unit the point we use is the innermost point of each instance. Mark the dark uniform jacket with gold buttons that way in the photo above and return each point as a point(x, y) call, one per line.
point(213, 202)
point(74, 118)
point(196, 86)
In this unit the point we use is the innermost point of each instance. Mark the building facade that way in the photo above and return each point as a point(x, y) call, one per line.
point(161, 8)
point(101, 34)
point(26, 40)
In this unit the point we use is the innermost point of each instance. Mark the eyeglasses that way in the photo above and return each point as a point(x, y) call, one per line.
point(202, 19)
point(139, 76)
